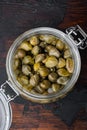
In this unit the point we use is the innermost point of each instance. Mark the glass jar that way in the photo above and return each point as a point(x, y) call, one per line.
point(75, 38)
point(51, 97)
point(5, 113)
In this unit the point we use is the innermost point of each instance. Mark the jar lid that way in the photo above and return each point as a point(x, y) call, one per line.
point(5, 113)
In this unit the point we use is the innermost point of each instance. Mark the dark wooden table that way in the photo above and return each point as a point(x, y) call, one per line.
point(37, 117)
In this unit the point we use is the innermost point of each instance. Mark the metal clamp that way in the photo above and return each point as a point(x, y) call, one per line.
point(8, 91)
point(78, 36)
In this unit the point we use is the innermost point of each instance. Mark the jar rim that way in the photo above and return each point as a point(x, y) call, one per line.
point(62, 36)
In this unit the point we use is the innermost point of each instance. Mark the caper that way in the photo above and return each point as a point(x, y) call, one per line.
point(54, 52)
point(49, 47)
point(43, 71)
point(61, 63)
point(25, 45)
point(39, 89)
point(28, 87)
point(55, 87)
point(33, 91)
point(51, 61)
point(43, 44)
point(63, 72)
point(52, 76)
point(60, 45)
point(16, 56)
point(62, 80)
point(70, 65)
point(26, 69)
point(34, 80)
point(54, 42)
point(45, 84)
point(34, 40)
point(45, 93)
point(50, 91)
point(66, 47)
point(17, 63)
point(39, 58)
point(47, 38)
point(17, 71)
point(24, 79)
point(36, 66)
point(20, 53)
point(67, 53)
point(28, 60)
point(35, 50)
point(19, 80)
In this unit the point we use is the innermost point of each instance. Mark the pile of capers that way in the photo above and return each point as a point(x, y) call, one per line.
point(43, 64)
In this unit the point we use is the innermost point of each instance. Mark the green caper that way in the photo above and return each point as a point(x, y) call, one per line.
point(47, 38)
point(43, 44)
point(20, 53)
point(60, 45)
point(17, 63)
point(61, 63)
point(51, 61)
point(25, 45)
point(70, 65)
point(17, 72)
point(39, 89)
point(55, 87)
point(67, 53)
point(50, 91)
point(52, 76)
point(63, 72)
point(45, 93)
point(28, 87)
point(43, 71)
point(54, 52)
point(26, 69)
point(19, 80)
point(33, 91)
point(62, 80)
point(45, 84)
point(34, 40)
point(54, 42)
point(35, 50)
point(34, 80)
point(36, 66)
point(39, 58)
point(24, 80)
point(49, 47)
point(66, 47)
point(28, 60)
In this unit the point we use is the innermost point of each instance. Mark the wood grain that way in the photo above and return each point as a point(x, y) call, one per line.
point(36, 117)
